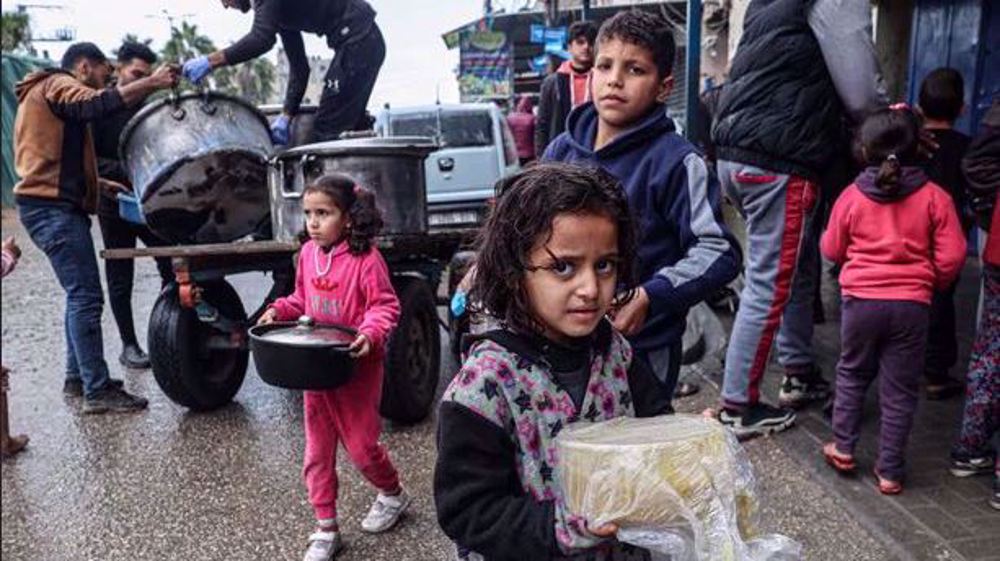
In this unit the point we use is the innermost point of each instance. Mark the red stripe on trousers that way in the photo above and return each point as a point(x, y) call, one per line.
point(791, 241)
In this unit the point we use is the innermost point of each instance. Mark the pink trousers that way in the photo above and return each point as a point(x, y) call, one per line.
point(346, 415)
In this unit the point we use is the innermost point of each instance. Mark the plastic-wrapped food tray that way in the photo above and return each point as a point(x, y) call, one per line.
point(677, 484)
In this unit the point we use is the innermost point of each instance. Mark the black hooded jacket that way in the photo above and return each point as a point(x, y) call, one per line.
point(341, 21)
point(780, 109)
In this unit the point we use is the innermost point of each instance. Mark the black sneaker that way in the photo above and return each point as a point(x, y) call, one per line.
point(134, 357)
point(74, 388)
point(758, 419)
point(799, 390)
point(967, 467)
point(113, 400)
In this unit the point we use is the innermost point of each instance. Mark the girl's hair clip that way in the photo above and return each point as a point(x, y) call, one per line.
point(899, 107)
point(891, 158)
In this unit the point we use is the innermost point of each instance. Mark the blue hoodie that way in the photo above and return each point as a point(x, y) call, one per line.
point(686, 252)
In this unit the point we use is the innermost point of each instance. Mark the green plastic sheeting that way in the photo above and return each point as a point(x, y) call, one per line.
point(14, 68)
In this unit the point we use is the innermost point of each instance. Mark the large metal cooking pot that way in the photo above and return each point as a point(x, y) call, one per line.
point(393, 168)
point(198, 166)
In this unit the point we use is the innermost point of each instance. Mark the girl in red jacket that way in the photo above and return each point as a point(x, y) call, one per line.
point(343, 279)
point(897, 237)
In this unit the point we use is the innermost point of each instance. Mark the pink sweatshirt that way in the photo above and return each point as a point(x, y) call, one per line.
point(900, 249)
point(338, 287)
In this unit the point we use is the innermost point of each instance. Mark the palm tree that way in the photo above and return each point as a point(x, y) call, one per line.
point(253, 80)
point(16, 32)
point(185, 42)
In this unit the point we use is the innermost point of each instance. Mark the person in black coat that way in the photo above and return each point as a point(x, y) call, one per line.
point(350, 30)
point(135, 61)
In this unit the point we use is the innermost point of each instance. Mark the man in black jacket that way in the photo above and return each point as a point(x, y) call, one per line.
point(567, 87)
point(135, 61)
point(803, 69)
point(350, 30)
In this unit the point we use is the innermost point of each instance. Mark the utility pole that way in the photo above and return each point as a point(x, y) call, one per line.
point(551, 12)
point(692, 75)
point(585, 11)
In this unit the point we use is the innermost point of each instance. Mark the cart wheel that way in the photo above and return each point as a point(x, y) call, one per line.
point(413, 356)
point(187, 370)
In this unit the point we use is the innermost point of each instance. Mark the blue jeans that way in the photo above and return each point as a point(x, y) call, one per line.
point(63, 233)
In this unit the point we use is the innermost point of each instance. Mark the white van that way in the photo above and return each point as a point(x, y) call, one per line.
point(477, 149)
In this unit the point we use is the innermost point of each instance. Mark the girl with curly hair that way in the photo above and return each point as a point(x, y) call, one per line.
point(342, 279)
point(556, 257)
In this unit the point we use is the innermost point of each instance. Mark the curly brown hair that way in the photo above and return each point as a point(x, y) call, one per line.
point(355, 201)
point(526, 205)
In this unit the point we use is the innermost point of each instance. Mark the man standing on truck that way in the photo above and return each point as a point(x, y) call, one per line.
point(135, 61)
point(54, 156)
point(350, 30)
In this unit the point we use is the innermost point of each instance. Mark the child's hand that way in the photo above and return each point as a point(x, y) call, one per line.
point(269, 316)
point(11, 246)
point(604, 530)
point(361, 346)
point(630, 318)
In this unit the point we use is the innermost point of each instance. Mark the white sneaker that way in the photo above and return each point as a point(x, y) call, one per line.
point(323, 546)
point(385, 512)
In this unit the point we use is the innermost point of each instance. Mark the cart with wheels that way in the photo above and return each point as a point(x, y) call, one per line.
point(198, 340)
point(197, 334)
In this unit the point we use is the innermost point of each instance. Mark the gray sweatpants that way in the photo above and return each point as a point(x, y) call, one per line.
point(780, 276)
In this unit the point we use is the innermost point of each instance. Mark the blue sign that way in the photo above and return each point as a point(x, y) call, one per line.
point(555, 34)
point(537, 33)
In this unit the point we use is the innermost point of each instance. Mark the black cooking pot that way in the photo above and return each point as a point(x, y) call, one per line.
point(302, 355)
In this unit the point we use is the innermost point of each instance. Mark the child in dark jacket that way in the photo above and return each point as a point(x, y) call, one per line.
point(897, 237)
point(555, 250)
point(685, 249)
point(941, 103)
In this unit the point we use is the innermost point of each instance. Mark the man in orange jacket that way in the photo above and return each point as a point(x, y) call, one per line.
point(54, 156)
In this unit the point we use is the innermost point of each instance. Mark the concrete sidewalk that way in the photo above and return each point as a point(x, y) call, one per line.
point(938, 516)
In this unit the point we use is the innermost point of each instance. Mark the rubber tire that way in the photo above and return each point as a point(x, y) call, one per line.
point(413, 355)
point(186, 371)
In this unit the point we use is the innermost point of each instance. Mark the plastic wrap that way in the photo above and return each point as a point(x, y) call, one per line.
point(678, 485)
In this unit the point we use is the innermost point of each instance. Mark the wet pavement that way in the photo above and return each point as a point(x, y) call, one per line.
point(168, 484)
point(938, 516)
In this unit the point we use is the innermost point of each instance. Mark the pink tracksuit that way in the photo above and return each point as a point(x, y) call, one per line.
point(352, 290)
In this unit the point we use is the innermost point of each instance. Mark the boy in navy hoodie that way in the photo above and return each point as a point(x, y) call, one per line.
point(685, 250)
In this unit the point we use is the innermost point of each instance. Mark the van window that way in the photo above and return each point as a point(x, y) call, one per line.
point(458, 128)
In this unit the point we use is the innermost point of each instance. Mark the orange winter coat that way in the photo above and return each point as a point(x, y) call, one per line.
point(53, 147)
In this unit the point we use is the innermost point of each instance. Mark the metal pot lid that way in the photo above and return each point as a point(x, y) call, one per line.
point(306, 333)
point(418, 146)
point(206, 96)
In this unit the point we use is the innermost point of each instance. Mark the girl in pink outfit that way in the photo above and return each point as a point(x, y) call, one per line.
point(898, 238)
point(343, 279)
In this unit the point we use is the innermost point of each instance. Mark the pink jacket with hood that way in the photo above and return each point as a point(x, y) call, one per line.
point(338, 287)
